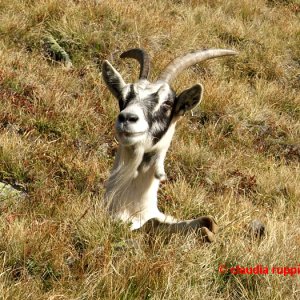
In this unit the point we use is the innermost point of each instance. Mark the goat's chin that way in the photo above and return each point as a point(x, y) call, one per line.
point(130, 139)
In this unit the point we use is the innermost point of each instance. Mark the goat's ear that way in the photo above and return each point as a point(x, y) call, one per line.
point(113, 79)
point(188, 99)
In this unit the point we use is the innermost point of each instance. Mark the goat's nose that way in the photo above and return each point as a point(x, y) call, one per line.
point(127, 117)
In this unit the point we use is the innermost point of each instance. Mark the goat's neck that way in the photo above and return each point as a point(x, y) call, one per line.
point(131, 190)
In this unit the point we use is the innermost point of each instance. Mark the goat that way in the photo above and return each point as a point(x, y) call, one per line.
point(144, 129)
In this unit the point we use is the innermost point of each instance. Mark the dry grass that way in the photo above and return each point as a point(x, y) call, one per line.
point(236, 158)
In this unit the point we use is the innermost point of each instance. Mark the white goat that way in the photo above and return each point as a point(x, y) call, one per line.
point(144, 129)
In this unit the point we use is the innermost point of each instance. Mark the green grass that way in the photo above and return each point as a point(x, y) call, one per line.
point(235, 158)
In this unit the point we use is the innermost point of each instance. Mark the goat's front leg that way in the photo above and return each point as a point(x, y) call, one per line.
point(205, 226)
point(160, 169)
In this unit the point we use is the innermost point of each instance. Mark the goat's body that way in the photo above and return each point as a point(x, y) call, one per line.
point(144, 129)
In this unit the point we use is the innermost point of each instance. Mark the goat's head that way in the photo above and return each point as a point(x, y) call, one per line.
point(147, 109)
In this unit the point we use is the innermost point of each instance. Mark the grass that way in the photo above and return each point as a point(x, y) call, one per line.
point(235, 158)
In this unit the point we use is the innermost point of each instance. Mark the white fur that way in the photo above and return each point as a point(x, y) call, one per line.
point(132, 196)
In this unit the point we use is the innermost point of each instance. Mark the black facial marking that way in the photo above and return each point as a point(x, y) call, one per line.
point(161, 119)
point(148, 107)
point(131, 94)
point(123, 101)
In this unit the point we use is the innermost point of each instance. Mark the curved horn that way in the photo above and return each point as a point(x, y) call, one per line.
point(181, 63)
point(142, 57)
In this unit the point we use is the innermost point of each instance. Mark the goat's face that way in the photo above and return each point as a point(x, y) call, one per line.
point(145, 112)
point(147, 109)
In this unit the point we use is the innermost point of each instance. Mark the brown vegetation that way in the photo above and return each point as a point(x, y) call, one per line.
point(236, 158)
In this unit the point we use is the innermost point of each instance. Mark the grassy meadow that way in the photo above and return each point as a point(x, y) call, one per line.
point(235, 157)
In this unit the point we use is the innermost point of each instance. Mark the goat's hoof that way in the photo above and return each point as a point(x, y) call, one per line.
point(162, 177)
point(209, 223)
point(208, 228)
point(207, 235)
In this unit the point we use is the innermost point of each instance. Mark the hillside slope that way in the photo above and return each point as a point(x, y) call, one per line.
point(236, 157)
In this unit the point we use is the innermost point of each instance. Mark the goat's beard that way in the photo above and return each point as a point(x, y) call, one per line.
point(124, 171)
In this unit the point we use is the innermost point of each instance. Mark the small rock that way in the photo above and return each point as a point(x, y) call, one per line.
point(257, 229)
point(8, 191)
point(56, 52)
